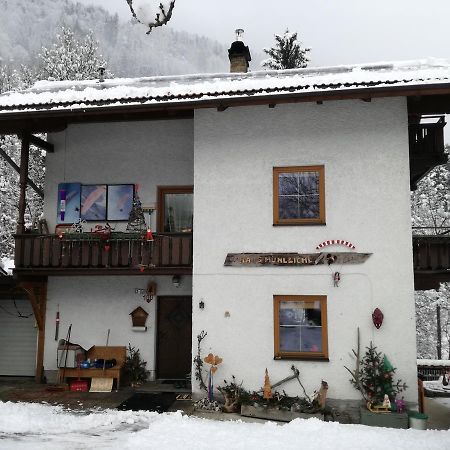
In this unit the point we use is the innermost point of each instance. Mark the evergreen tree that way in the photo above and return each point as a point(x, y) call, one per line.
point(430, 209)
point(375, 377)
point(67, 58)
point(71, 59)
point(287, 53)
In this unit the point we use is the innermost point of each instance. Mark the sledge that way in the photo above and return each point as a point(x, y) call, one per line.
point(103, 384)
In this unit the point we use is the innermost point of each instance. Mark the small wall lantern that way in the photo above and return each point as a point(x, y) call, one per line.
point(201, 304)
point(377, 318)
point(176, 281)
point(139, 317)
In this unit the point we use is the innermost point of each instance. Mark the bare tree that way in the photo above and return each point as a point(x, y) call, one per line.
point(151, 16)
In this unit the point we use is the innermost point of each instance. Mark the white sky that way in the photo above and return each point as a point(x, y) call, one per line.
point(339, 31)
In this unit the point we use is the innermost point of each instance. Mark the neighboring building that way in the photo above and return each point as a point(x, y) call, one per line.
point(265, 162)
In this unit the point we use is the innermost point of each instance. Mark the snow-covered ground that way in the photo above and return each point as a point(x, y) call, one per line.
point(40, 426)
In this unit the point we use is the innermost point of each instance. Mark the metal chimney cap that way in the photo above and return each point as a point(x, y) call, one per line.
point(239, 34)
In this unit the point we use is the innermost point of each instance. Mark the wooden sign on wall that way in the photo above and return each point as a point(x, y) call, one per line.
point(293, 259)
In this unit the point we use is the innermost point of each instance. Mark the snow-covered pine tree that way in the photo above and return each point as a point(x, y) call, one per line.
point(430, 202)
point(287, 53)
point(67, 58)
point(430, 209)
point(70, 58)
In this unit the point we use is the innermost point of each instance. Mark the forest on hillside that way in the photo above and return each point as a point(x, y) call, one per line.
point(28, 25)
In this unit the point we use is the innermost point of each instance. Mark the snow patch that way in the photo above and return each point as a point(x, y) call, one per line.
point(51, 427)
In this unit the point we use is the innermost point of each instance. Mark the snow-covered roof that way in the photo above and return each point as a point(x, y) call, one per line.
point(165, 90)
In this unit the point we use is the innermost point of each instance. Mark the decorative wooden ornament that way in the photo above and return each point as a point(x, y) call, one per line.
point(267, 388)
point(336, 242)
point(139, 317)
point(214, 361)
point(377, 318)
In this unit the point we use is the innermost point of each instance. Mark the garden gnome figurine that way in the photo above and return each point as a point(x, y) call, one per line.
point(267, 389)
point(386, 402)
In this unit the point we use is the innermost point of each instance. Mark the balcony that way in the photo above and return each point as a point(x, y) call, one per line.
point(426, 148)
point(90, 254)
point(431, 255)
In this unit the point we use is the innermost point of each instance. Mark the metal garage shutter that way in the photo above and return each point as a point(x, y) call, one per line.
point(18, 337)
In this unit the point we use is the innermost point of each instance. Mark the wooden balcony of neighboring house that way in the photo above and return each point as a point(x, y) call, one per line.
point(431, 256)
point(426, 147)
point(90, 254)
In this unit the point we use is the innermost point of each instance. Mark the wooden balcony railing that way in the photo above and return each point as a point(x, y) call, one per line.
point(87, 253)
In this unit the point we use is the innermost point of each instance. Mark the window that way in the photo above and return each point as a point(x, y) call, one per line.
point(175, 209)
point(300, 326)
point(299, 195)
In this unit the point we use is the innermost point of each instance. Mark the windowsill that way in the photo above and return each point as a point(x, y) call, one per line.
point(302, 224)
point(302, 358)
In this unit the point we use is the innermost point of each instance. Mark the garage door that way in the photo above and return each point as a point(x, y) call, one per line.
point(18, 336)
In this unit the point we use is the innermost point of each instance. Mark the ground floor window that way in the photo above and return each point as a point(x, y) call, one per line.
point(300, 326)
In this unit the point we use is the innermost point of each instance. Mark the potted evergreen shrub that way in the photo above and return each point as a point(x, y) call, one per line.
point(135, 368)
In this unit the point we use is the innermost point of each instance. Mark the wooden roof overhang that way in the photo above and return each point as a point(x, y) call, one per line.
point(422, 99)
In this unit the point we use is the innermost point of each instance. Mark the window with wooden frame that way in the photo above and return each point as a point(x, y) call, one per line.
point(300, 326)
point(175, 209)
point(299, 195)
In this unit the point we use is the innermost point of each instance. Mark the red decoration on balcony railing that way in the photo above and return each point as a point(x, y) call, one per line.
point(377, 318)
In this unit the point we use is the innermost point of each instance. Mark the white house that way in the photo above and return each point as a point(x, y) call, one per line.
point(282, 216)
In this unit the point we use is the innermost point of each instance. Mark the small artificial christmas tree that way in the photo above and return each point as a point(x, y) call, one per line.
point(135, 369)
point(374, 377)
point(136, 220)
point(287, 53)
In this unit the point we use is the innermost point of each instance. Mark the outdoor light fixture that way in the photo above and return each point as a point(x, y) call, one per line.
point(201, 305)
point(377, 318)
point(176, 281)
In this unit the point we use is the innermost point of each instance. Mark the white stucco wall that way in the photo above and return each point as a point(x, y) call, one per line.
point(95, 304)
point(364, 147)
point(148, 153)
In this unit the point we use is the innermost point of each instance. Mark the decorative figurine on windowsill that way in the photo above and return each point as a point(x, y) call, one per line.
point(267, 389)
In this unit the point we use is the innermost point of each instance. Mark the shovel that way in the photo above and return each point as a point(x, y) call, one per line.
point(103, 384)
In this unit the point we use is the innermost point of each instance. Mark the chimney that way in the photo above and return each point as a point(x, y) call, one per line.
point(239, 54)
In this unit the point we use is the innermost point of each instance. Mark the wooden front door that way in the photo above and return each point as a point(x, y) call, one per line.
point(174, 337)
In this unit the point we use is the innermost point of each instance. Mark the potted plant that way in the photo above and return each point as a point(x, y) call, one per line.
point(373, 377)
point(135, 368)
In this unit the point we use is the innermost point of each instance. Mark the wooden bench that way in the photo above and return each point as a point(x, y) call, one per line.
point(99, 352)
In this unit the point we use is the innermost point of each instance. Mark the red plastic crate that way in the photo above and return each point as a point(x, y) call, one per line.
point(79, 386)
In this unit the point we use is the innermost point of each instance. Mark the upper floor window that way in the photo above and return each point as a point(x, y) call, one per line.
point(175, 209)
point(299, 195)
point(300, 326)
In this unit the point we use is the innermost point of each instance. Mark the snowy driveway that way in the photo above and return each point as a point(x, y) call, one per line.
point(39, 426)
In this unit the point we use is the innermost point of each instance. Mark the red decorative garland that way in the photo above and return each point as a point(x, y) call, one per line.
point(336, 242)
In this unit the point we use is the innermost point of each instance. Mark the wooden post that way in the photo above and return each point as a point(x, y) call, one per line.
point(24, 159)
point(439, 336)
point(37, 294)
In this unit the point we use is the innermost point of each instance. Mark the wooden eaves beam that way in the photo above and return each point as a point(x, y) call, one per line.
point(44, 145)
point(30, 182)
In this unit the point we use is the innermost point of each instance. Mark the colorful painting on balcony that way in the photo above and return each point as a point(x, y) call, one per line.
point(120, 201)
point(69, 196)
point(93, 202)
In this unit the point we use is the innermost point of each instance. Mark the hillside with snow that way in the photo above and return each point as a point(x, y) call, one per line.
point(27, 25)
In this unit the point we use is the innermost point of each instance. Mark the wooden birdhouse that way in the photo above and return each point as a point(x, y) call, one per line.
point(139, 317)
